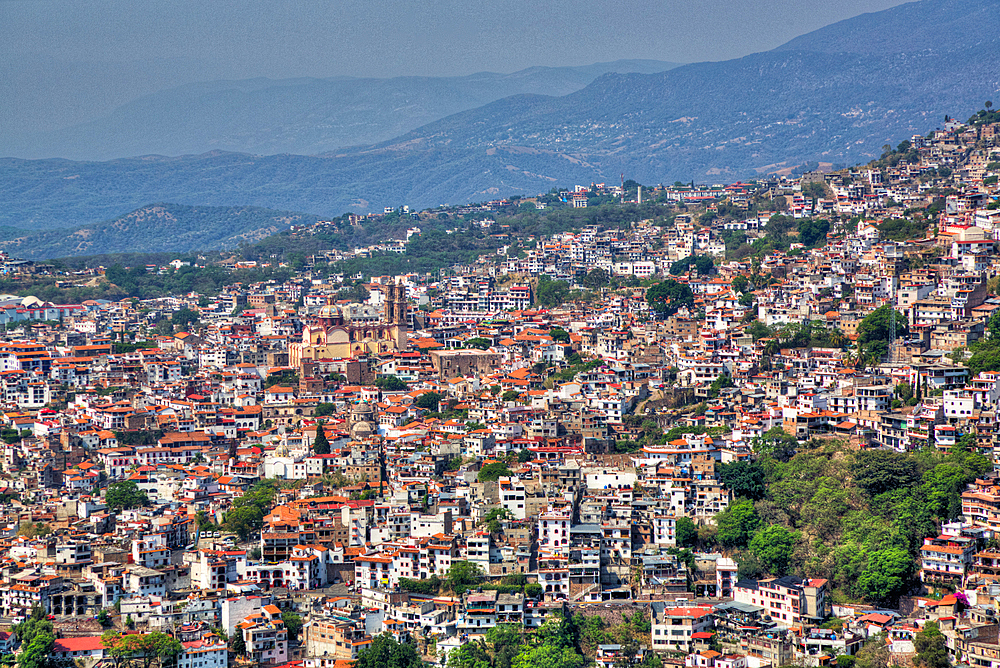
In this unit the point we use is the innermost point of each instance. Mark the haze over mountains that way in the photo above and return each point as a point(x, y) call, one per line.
point(836, 95)
point(304, 116)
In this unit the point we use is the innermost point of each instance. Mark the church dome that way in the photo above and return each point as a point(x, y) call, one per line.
point(361, 430)
point(330, 312)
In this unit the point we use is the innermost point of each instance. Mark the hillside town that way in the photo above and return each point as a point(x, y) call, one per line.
point(294, 473)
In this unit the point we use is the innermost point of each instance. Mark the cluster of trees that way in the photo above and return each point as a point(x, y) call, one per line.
point(246, 516)
point(872, 343)
point(562, 642)
point(390, 383)
point(986, 115)
point(550, 293)
point(135, 282)
point(493, 519)
point(34, 530)
point(813, 231)
point(385, 652)
point(857, 519)
point(797, 335)
point(780, 232)
point(37, 638)
point(904, 152)
point(286, 378)
point(702, 263)
point(141, 650)
point(463, 575)
point(901, 229)
point(874, 330)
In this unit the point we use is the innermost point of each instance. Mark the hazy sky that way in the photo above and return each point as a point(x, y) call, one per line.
point(62, 61)
point(278, 38)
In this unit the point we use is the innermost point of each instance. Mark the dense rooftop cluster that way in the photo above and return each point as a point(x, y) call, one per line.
point(584, 439)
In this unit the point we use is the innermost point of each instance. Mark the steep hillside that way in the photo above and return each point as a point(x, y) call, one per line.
point(732, 119)
point(941, 25)
point(158, 227)
point(303, 116)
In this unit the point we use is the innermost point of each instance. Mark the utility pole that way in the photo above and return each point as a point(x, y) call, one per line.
point(892, 333)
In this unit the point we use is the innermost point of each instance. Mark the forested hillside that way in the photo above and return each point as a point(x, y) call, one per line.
point(156, 228)
point(856, 518)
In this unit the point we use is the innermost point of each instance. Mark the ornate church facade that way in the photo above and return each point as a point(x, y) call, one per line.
point(355, 330)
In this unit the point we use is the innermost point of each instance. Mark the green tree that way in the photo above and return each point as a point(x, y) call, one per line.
point(35, 653)
point(237, 644)
point(813, 232)
point(324, 409)
point(723, 381)
point(493, 472)
point(34, 530)
point(886, 576)
point(685, 532)
point(478, 342)
point(293, 624)
point(776, 444)
point(904, 390)
point(463, 574)
point(470, 655)
point(875, 326)
point(141, 650)
point(429, 401)
point(737, 523)
point(874, 653)
point(559, 335)
point(390, 384)
point(509, 395)
point(385, 652)
point(744, 478)
point(244, 521)
point(357, 294)
point(493, 519)
point(549, 656)
point(124, 495)
point(37, 638)
point(184, 318)
point(504, 641)
point(321, 446)
point(668, 297)
point(931, 647)
point(104, 618)
point(740, 283)
point(773, 546)
point(551, 293)
point(596, 279)
point(878, 471)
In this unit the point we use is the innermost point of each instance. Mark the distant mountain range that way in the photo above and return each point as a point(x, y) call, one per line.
point(304, 116)
point(156, 227)
point(836, 95)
